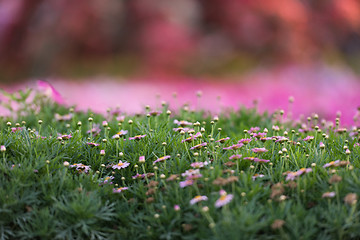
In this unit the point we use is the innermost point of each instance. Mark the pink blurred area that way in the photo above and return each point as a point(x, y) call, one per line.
point(326, 92)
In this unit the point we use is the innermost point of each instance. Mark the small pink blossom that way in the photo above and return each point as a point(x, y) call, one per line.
point(93, 144)
point(186, 183)
point(236, 156)
point(197, 199)
point(256, 175)
point(222, 140)
point(182, 123)
point(328, 195)
point(120, 189)
point(176, 208)
point(162, 159)
point(138, 137)
point(192, 138)
point(245, 140)
point(121, 165)
point(308, 138)
point(234, 147)
point(198, 146)
point(224, 199)
point(198, 164)
point(120, 133)
point(253, 130)
point(292, 175)
point(80, 167)
point(259, 150)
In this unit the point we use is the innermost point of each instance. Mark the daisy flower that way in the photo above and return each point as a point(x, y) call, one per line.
point(224, 199)
point(137, 137)
point(261, 160)
point(162, 159)
point(95, 130)
point(120, 134)
point(222, 140)
point(198, 146)
point(66, 117)
point(186, 183)
point(245, 140)
point(192, 138)
point(328, 195)
point(120, 189)
point(198, 164)
point(121, 165)
point(65, 136)
point(336, 163)
point(93, 144)
point(256, 175)
point(234, 147)
point(308, 138)
point(197, 199)
point(182, 123)
point(179, 129)
point(259, 150)
point(259, 135)
point(80, 167)
point(190, 172)
point(281, 139)
point(253, 130)
point(107, 180)
point(292, 175)
point(236, 156)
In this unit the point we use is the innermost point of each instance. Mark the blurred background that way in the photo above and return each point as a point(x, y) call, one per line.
point(301, 44)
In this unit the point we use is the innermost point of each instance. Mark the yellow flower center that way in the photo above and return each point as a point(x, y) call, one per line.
point(120, 164)
point(223, 197)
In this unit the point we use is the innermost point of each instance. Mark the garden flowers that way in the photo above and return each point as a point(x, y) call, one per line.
point(198, 199)
point(161, 159)
point(292, 175)
point(138, 137)
point(120, 165)
point(120, 189)
point(224, 199)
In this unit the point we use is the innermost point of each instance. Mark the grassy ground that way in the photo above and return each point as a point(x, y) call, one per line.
point(70, 175)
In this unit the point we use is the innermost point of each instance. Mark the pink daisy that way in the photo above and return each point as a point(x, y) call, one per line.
point(198, 164)
point(198, 146)
point(328, 195)
point(236, 156)
point(186, 183)
point(120, 134)
point(182, 123)
point(162, 159)
point(121, 165)
point(224, 199)
point(120, 189)
point(259, 150)
point(245, 140)
point(138, 137)
point(257, 176)
point(222, 140)
point(234, 147)
point(197, 199)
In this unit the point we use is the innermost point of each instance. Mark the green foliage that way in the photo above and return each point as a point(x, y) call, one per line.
point(41, 197)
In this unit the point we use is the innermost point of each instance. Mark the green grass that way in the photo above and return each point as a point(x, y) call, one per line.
point(41, 198)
